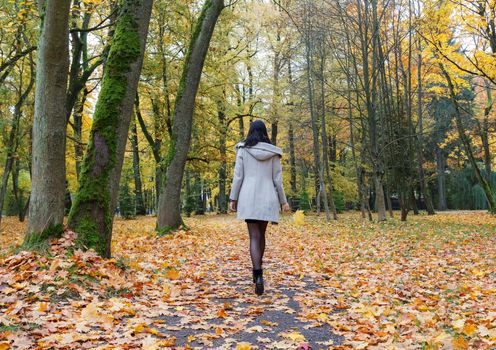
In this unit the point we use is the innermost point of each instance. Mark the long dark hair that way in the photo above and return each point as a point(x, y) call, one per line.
point(257, 133)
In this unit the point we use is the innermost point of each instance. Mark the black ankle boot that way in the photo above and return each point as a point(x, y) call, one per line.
point(258, 280)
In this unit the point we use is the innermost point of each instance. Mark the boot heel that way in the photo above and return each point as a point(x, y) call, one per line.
point(259, 282)
point(259, 286)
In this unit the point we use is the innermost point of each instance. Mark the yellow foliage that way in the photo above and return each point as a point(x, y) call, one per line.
point(299, 217)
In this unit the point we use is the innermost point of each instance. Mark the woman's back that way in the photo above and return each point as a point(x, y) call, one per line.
point(257, 183)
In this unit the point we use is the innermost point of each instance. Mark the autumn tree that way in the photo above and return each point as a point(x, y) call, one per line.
point(169, 212)
point(46, 208)
point(96, 198)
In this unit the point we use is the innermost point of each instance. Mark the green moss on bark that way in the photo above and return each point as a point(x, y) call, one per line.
point(89, 237)
point(92, 213)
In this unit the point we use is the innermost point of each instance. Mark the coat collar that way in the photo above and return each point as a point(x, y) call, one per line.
point(262, 146)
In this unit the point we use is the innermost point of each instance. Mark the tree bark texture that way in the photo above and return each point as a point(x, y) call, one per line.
point(169, 208)
point(95, 202)
point(46, 209)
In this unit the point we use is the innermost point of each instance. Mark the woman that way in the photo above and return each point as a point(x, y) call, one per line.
point(257, 191)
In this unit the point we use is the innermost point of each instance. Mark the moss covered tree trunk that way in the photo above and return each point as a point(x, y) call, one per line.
point(169, 212)
point(95, 202)
point(46, 210)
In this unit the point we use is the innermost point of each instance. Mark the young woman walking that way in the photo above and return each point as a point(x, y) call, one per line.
point(257, 191)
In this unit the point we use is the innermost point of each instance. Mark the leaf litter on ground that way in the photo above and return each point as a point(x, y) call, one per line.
point(428, 283)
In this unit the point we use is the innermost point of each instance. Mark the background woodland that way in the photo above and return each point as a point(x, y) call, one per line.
point(378, 106)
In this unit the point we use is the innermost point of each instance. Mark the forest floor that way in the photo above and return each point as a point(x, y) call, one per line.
point(429, 283)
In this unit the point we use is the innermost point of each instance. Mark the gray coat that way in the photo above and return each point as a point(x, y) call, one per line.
point(257, 182)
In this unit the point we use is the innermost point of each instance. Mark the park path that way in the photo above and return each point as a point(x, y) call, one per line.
point(219, 310)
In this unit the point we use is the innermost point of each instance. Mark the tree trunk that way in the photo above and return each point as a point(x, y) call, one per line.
point(413, 200)
point(241, 124)
point(389, 205)
point(169, 213)
point(5, 178)
point(370, 90)
point(405, 208)
point(138, 187)
point(95, 202)
point(223, 158)
point(424, 186)
point(467, 144)
point(441, 181)
point(78, 132)
point(21, 207)
point(323, 132)
point(273, 132)
point(13, 140)
point(46, 210)
point(155, 144)
point(316, 147)
point(200, 205)
point(485, 133)
point(80, 70)
point(292, 158)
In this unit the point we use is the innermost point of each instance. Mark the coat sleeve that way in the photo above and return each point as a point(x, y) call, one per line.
point(277, 178)
point(238, 176)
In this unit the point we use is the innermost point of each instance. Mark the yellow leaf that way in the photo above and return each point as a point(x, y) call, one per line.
point(172, 274)
point(42, 306)
point(243, 346)
point(460, 343)
point(139, 327)
point(299, 217)
point(478, 273)
point(153, 331)
point(294, 336)
point(322, 317)
point(4, 346)
point(469, 329)
point(268, 323)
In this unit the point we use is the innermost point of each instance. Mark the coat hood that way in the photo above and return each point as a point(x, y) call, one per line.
point(261, 151)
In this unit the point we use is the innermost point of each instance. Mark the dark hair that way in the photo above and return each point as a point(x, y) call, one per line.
point(257, 133)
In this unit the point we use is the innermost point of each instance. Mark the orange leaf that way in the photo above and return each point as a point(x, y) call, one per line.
point(42, 307)
point(222, 313)
point(460, 343)
point(469, 329)
point(172, 274)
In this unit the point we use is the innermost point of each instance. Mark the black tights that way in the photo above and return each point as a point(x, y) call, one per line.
point(257, 242)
